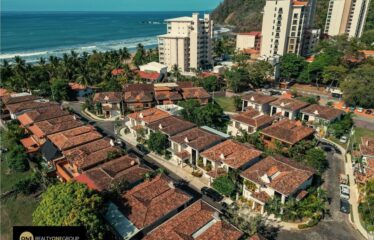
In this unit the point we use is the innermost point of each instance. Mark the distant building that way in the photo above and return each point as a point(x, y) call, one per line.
point(248, 40)
point(284, 27)
point(109, 104)
point(346, 17)
point(188, 43)
point(320, 114)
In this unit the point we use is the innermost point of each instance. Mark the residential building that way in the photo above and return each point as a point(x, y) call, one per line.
point(80, 90)
point(125, 169)
point(196, 93)
point(138, 121)
point(83, 157)
point(367, 147)
point(225, 157)
point(187, 44)
point(287, 132)
point(138, 96)
point(153, 72)
point(346, 17)
point(248, 40)
point(17, 109)
point(257, 101)
point(18, 98)
point(284, 25)
point(320, 114)
point(40, 130)
point(171, 125)
point(275, 177)
point(199, 221)
point(150, 203)
point(108, 104)
point(287, 108)
point(41, 114)
point(166, 94)
point(311, 39)
point(249, 121)
point(187, 146)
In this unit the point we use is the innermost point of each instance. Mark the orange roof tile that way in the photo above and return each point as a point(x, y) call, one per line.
point(253, 118)
point(149, 115)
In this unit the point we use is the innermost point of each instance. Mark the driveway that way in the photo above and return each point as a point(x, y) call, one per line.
point(335, 226)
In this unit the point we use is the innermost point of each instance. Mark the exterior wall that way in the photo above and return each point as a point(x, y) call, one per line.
point(311, 39)
point(244, 41)
point(292, 115)
point(262, 108)
point(234, 128)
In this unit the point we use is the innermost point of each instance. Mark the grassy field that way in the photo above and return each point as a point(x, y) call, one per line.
point(227, 103)
point(362, 132)
point(15, 210)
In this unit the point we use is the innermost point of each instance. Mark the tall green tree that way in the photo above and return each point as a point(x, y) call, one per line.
point(157, 142)
point(291, 65)
point(60, 89)
point(71, 204)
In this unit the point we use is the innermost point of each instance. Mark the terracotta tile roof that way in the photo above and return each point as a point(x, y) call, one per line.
point(289, 176)
point(168, 95)
point(13, 100)
point(250, 51)
point(323, 112)
point(261, 196)
point(253, 118)
point(232, 153)
point(74, 137)
point(4, 92)
point(258, 98)
point(41, 114)
point(149, 115)
point(289, 104)
point(151, 200)
point(30, 144)
point(288, 131)
point(195, 93)
point(138, 93)
point(90, 154)
point(301, 195)
point(367, 146)
point(171, 125)
point(117, 71)
point(185, 84)
point(253, 33)
point(257, 237)
point(103, 177)
point(153, 76)
point(30, 105)
point(367, 53)
point(76, 86)
point(300, 3)
point(196, 138)
point(55, 125)
point(198, 221)
point(183, 154)
point(104, 97)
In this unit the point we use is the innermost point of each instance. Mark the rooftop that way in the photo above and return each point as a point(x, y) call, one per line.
point(153, 199)
point(196, 138)
point(289, 104)
point(253, 118)
point(232, 153)
point(9, 99)
point(323, 112)
point(171, 125)
point(74, 137)
point(198, 221)
point(104, 97)
point(149, 115)
point(54, 125)
point(253, 33)
point(281, 174)
point(169, 94)
point(41, 114)
point(29, 105)
point(138, 93)
point(288, 131)
point(195, 93)
point(105, 176)
point(153, 76)
point(258, 98)
point(179, 19)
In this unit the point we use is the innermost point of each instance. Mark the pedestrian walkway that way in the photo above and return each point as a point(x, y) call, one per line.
point(94, 117)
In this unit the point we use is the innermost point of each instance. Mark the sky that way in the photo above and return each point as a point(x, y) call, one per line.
point(108, 5)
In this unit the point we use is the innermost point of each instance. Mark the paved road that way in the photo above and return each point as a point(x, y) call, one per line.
point(367, 123)
point(336, 226)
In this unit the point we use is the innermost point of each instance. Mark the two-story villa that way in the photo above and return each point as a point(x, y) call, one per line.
point(286, 108)
point(257, 101)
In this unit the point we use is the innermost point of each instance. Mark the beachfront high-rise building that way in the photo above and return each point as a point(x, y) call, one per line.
point(188, 43)
point(285, 25)
point(346, 17)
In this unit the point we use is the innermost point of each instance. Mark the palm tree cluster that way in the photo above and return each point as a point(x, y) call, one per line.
point(88, 69)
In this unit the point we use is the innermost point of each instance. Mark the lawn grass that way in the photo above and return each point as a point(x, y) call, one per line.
point(15, 210)
point(227, 103)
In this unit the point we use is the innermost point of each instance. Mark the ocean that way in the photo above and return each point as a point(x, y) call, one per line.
point(32, 35)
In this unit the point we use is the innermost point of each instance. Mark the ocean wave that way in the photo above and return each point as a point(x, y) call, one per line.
point(130, 43)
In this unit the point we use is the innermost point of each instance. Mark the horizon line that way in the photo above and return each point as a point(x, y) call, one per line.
point(113, 11)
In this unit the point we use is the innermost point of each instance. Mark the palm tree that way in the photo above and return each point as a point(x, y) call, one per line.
point(124, 54)
point(20, 69)
point(176, 72)
point(83, 76)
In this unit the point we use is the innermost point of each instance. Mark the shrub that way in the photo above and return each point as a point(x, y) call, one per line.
point(224, 185)
point(27, 185)
point(197, 174)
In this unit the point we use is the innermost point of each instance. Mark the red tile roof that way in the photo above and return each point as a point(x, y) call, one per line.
point(323, 112)
point(74, 137)
point(30, 105)
point(258, 98)
point(199, 221)
point(232, 153)
point(4, 92)
point(253, 33)
point(117, 71)
point(151, 200)
point(168, 95)
point(138, 93)
point(105, 176)
point(196, 138)
point(183, 154)
point(104, 97)
point(149, 115)
point(288, 131)
point(195, 93)
point(289, 104)
point(13, 100)
point(76, 86)
point(41, 114)
point(300, 3)
point(171, 125)
point(367, 146)
point(30, 144)
point(153, 76)
point(253, 118)
point(289, 175)
point(250, 51)
point(55, 125)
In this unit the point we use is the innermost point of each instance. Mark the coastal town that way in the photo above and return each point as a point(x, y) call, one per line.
point(240, 135)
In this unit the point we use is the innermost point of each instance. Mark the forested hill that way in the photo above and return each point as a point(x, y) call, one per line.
point(246, 15)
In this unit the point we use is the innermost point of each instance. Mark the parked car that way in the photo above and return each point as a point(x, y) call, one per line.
point(212, 194)
point(343, 139)
point(368, 111)
point(345, 206)
point(360, 109)
point(351, 109)
point(142, 148)
point(344, 191)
